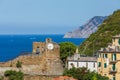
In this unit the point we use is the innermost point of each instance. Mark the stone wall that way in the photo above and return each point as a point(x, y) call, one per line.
point(33, 77)
point(35, 64)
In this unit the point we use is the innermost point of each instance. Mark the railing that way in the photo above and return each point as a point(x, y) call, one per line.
point(113, 61)
point(112, 70)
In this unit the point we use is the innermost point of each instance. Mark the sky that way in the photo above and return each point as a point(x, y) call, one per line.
point(50, 16)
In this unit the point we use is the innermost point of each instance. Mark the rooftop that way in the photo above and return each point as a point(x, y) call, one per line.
point(84, 59)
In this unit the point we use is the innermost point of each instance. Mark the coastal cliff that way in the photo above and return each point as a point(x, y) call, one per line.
point(88, 28)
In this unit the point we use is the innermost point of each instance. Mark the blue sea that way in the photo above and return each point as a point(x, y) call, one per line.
point(11, 46)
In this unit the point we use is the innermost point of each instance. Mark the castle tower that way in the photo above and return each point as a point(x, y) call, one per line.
point(50, 62)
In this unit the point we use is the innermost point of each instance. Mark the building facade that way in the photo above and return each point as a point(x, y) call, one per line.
point(109, 60)
point(77, 61)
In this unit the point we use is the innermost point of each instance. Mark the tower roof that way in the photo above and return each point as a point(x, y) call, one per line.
point(77, 51)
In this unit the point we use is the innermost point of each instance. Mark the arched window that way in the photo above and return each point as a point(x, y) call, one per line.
point(38, 50)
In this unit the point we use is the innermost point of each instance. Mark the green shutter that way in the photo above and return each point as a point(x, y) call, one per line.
point(119, 41)
point(105, 65)
point(113, 67)
point(114, 56)
point(114, 78)
point(99, 64)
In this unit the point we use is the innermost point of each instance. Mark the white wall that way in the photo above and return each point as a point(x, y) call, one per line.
point(82, 64)
point(69, 64)
point(90, 66)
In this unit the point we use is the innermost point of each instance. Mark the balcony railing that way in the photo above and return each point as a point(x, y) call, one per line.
point(113, 61)
point(112, 71)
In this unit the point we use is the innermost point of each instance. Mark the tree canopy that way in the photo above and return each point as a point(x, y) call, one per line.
point(83, 74)
point(67, 49)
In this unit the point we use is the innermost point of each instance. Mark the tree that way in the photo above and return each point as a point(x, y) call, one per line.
point(14, 75)
point(66, 49)
point(19, 64)
point(83, 74)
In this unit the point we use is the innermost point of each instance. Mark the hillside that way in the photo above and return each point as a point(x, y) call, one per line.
point(103, 36)
point(88, 28)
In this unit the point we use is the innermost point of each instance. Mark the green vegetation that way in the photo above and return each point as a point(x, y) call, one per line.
point(19, 64)
point(101, 38)
point(66, 49)
point(1, 78)
point(83, 74)
point(14, 75)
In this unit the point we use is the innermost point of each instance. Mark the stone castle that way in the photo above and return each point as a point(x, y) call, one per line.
point(44, 60)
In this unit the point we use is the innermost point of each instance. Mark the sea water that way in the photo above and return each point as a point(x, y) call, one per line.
point(12, 46)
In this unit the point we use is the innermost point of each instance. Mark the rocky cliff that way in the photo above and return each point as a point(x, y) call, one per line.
point(84, 31)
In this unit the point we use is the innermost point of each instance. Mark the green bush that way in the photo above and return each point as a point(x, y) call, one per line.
point(19, 64)
point(14, 75)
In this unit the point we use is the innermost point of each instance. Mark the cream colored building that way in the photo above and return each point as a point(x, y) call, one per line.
point(109, 60)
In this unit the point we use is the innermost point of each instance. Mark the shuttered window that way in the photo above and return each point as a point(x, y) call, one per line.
point(119, 41)
point(114, 78)
point(106, 56)
point(99, 64)
point(105, 65)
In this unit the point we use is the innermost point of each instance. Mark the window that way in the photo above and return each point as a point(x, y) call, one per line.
point(99, 64)
point(113, 67)
point(72, 64)
point(105, 65)
point(94, 64)
point(105, 55)
point(114, 57)
point(114, 78)
point(105, 74)
point(99, 55)
point(38, 50)
point(119, 41)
